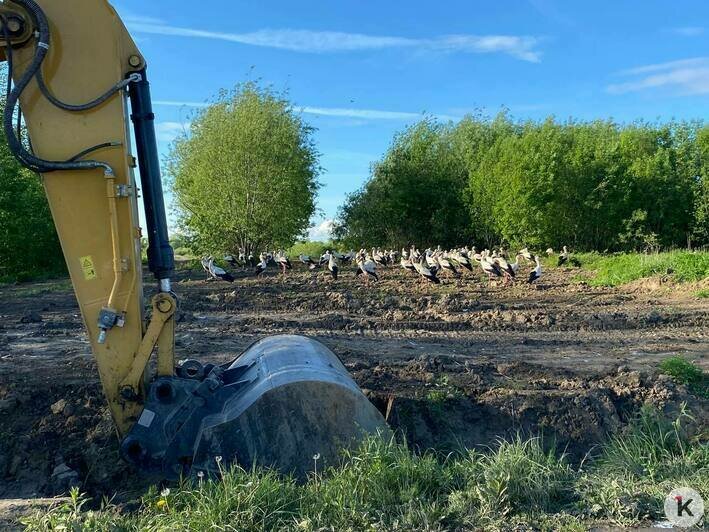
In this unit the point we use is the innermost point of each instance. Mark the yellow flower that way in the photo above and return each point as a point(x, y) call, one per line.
point(161, 504)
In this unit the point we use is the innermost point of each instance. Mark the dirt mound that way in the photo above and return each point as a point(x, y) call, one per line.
point(481, 404)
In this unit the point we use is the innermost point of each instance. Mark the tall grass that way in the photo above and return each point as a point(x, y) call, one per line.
point(614, 270)
point(383, 486)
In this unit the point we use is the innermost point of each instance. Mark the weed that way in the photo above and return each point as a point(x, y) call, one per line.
point(685, 372)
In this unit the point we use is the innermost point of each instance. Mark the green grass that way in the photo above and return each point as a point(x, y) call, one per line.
point(685, 372)
point(618, 269)
point(383, 486)
point(702, 294)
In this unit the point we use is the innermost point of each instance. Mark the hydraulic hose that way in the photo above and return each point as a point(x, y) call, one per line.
point(84, 106)
point(18, 150)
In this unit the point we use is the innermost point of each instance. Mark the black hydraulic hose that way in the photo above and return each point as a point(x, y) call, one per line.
point(10, 60)
point(16, 147)
point(85, 152)
point(84, 106)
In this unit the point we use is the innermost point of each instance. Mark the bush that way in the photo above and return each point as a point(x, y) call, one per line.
point(614, 270)
point(312, 249)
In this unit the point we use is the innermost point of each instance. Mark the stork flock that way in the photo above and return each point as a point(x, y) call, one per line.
point(428, 265)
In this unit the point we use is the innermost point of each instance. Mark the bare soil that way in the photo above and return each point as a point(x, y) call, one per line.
point(463, 363)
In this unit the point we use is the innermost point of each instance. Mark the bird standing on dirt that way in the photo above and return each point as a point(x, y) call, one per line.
point(379, 257)
point(489, 266)
point(262, 265)
point(406, 262)
point(444, 264)
point(332, 266)
point(563, 257)
point(283, 261)
point(204, 261)
point(366, 266)
point(515, 265)
point(425, 271)
point(219, 273)
point(505, 268)
point(462, 259)
point(308, 261)
point(536, 273)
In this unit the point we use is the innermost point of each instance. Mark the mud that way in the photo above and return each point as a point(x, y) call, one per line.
point(460, 364)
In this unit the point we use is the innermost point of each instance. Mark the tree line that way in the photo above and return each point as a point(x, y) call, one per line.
point(29, 245)
point(596, 185)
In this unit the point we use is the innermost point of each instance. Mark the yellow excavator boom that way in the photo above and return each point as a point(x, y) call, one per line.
point(95, 212)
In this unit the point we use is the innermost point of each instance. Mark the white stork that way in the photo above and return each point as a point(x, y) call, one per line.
point(219, 273)
point(262, 265)
point(563, 257)
point(536, 273)
point(368, 267)
point(406, 263)
point(425, 272)
point(283, 261)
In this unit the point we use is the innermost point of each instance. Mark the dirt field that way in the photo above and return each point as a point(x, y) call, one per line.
point(463, 363)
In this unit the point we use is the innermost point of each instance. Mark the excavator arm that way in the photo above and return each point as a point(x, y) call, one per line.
point(80, 81)
point(80, 49)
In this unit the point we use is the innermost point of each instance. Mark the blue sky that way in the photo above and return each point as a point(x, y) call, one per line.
point(361, 70)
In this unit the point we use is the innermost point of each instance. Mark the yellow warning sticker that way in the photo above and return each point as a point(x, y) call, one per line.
point(87, 266)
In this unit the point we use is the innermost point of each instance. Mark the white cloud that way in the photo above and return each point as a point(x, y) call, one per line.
point(521, 47)
point(688, 31)
point(322, 232)
point(366, 114)
point(686, 76)
point(177, 103)
point(169, 131)
point(132, 18)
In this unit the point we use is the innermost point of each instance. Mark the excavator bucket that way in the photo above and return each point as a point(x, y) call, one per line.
point(287, 402)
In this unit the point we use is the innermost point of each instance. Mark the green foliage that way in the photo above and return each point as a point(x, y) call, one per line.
point(593, 185)
point(383, 486)
point(182, 245)
point(637, 469)
point(685, 372)
point(246, 174)
point(415, 195)
point(29, 247)
point(702, 294)
point(614, 270)
point(518, 474)
point(312, 249)
point(589, 185)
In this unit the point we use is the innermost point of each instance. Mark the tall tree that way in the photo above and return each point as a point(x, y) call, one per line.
point(245, 175)
point(414, 195)
point(29, 246)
